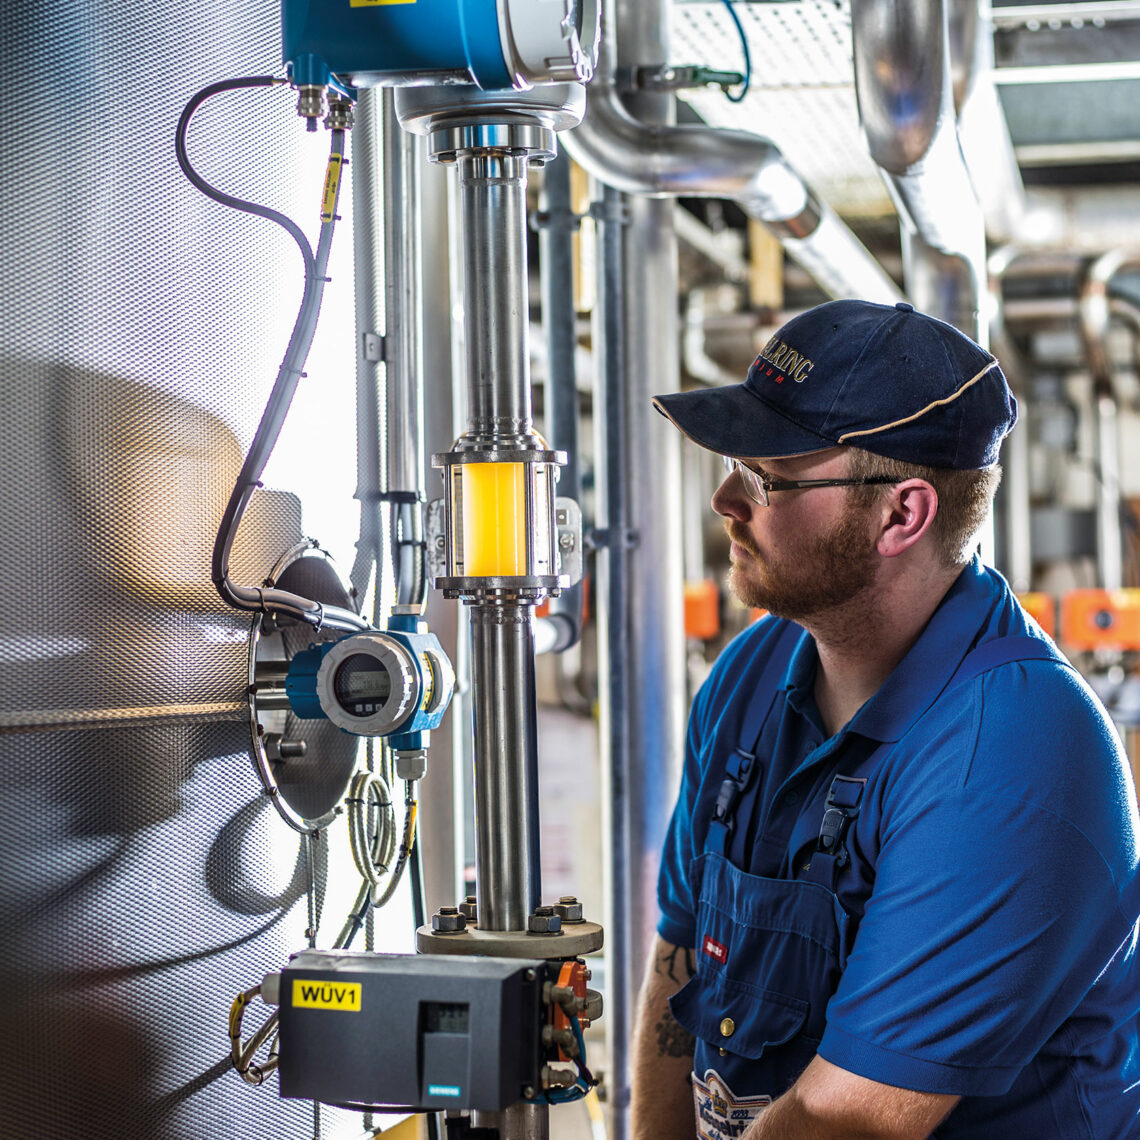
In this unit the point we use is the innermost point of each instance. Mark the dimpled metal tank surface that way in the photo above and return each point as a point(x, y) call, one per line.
point(144, 878)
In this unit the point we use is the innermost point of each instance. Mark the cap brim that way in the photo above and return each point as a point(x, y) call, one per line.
point(734, 421)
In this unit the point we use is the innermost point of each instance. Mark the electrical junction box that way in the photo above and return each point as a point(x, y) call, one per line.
point(366, 1030)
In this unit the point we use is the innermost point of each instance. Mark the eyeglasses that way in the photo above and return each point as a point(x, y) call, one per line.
point(757, 488)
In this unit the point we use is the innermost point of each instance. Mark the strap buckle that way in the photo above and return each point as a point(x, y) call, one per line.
point(843, 799)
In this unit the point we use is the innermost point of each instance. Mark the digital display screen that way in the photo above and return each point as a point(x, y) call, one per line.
point(362, 685)
point(446, 1017)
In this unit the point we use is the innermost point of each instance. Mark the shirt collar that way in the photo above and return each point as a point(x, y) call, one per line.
point(923, 673)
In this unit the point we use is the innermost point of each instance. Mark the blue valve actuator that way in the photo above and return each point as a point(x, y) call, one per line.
point(370, 42)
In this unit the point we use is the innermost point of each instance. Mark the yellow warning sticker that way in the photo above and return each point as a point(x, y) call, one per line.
point(376, 3)
point(332, 186)
point(311, 994)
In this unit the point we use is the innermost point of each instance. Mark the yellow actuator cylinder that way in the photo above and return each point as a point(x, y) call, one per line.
point(494, 520)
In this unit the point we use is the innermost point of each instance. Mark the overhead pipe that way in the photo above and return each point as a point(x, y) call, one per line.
point(982, 128)
point(905, 95)
point(666, 160)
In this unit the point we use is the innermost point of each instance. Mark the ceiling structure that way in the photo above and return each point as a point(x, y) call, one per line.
point(1067, 76)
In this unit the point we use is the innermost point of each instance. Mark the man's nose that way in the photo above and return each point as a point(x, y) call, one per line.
point(730, 501)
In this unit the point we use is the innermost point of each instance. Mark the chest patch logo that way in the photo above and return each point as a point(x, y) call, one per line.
point(715, 950)
point(721, 1114)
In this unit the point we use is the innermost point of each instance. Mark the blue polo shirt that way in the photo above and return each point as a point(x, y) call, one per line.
point(982, 938)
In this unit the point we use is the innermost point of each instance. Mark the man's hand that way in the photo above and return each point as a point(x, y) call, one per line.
point(829, 1103)
point(662, 1095)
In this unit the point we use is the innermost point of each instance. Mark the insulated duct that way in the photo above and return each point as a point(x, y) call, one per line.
point(693, 161)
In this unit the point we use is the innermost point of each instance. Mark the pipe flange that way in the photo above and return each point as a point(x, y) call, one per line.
point(552, 107)
point(574, 941)
point(499, 455)
point(524, 140)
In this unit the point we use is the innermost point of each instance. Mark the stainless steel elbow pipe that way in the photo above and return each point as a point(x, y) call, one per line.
point(906, 106)
point(703, 162)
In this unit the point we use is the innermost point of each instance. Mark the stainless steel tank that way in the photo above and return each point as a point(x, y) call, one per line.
point(144, 880)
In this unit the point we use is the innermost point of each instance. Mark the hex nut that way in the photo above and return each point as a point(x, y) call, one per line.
point(544, 921)
point(569, 909)
point(448, 920)
point(469, 909)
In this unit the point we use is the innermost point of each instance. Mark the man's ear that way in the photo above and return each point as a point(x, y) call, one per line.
point(907, 515)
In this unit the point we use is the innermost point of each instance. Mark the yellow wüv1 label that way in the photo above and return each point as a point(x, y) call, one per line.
point(332, 183)
point(309, 993)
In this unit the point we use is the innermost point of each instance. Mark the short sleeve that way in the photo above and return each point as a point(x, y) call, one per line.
point(674, 892)
point(997, 903)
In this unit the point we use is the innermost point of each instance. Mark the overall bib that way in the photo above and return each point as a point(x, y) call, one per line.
point(771, 949)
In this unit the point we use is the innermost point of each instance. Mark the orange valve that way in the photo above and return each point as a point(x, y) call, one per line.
point(1101, 619)
point(702, 609)
point(1042, 608)
point(572, 976)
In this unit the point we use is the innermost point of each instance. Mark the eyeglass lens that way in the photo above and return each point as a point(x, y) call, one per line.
point(753, 483)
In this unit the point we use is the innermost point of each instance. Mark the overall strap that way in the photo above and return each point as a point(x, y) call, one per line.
point(844, 795)
point(740, 770)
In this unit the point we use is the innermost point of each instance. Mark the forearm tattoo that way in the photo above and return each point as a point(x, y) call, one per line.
point(667, 963)
point(673, 1040)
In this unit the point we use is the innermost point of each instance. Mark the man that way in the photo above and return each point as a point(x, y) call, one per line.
point(900, 888)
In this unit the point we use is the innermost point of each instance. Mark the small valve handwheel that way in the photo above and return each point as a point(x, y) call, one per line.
point(369, 684)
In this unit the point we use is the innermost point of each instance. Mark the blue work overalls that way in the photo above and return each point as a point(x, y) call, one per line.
point(777, 918)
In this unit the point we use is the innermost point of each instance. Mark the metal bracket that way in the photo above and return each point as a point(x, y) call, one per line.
point(435, 528)
point(603, 537)
point(672, 77)
point(556, 220)
point(374, 348)
point(568, 528)
point(605, 212)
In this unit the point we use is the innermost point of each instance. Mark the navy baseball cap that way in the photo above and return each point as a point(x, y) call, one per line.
point(884, 378)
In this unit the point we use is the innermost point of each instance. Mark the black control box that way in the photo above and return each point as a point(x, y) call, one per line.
point(370, 1030)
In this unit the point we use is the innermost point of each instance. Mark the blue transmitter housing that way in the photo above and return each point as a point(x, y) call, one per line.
point(369, 42)
point(395, 683)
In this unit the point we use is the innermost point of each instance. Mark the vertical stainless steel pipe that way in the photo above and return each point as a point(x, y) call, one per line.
point(403, 356)
point(368, 244)
point(1094, 314)
point(403, 302)
point(506, 765)
point(492, 190)
point(561, 397)
point(614, 673)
